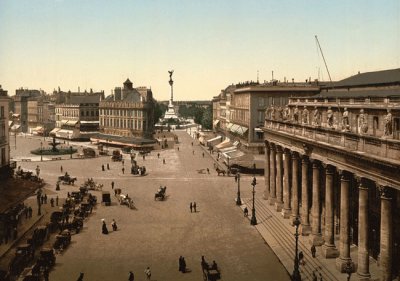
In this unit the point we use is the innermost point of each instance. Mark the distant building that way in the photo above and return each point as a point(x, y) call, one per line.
point(21, 98)
point(127, 116)
point(5, 165)
point(79, 118)
point(333, 161)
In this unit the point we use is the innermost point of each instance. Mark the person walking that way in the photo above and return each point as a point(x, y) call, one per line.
point(301, 258)
point(191, 207)
point(45, 198)
point(123, 162)
point(57, 200)
point(114, 225)
point(203, 154)
point(80, 278)
point(313, 251)
point(112, 185)
point(61, 169)
point(52, 202)
point(131, 276)
point(108, 166)
point(193, 152)
point(163, 161)
point(208, 171)
point(104, 229)
point(30, 211)
point(102, 167)
point(180, 263)
point(148, 273)
point(194, 207)
point(123, 170)
point(246, 212)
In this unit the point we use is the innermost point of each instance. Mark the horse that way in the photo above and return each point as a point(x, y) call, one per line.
point(219, 171)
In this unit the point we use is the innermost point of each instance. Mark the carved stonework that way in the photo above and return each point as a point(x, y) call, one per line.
point(385, 192)
point(388, 124)
point(362, 123)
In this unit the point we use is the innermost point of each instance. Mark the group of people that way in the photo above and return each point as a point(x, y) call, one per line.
point(104, 228)
point(193, 207)
point(103, 169)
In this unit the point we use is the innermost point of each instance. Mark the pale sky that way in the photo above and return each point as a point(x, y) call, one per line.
point(208, 43)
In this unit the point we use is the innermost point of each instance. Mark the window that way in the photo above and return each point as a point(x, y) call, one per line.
point(2, 112)
point(83, 113)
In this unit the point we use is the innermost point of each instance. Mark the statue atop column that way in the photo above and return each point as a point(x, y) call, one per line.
point(329, 117)
point(362, 123)
point(296, 114)
point(345, 120)
point(170, 74)
point(305, 115)
point(316, 117)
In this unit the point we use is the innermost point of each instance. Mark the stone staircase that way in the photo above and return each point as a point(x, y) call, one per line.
point(279, 235)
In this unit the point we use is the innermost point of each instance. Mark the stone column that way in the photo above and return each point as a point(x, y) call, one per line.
point(316, 207)
point(386, 245)
point(272, 178)
point(305, 227)
point(267, 171)
point(329, 248)
point(279, 181)
point(344, 247)
point(363, 249)
point(286, 192)
point(295, 186)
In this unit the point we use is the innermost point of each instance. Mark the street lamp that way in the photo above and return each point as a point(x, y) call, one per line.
point(296, 273)
point(253, 220)
point(70, 148)
point(238, 199)
point(41, 152)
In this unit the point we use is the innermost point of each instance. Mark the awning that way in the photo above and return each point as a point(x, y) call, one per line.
point(72, 122)
point(247, 161)
point(258, 129)
point(216, 122)
point(234, 154)
point(38, 129)
point(55, 130)
point(229, 126)
point(223, 144)
point(214, 139)
point(228, 149)
point(89, 122)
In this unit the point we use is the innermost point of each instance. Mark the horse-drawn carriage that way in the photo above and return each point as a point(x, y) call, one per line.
point(67, 179)
point(161, 193)
point(220, 171)
point(210, 272)
point(126, 200)
point(47, 259)
point(136, 170)
point(23, 256)
point(106, 198)
point(116, 155)
point(62, 240)
point(90, 184)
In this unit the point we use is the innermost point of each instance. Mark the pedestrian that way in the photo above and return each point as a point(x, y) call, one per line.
point(192, 143)
point(58, 185)
point(246, 212)
point(180, 263)
point(46, 274)
point(191, 207)
point(194, 207)
point(114, 225)
point(148, 273)
point(123, 162)
point(42, 199)
point(108, 166)
point(61, 169)
point(52, 202)
point(158, 155)
point(30, 211)
point(301, 258)
point(320, 277)
point(178, 148)
point(236, 178)
point(112, 185)
point(313, 251)
point(314, 276)
point(104, 229)
point(163, 161)
point(102, 167)
point(123, 170)
point(57, 200)
point(131, 276)
point(203, 154)
point(144, 157)
point(37, 171)
point(45, 198)
point(80, 278)
point(208, 171)
point(193, 152)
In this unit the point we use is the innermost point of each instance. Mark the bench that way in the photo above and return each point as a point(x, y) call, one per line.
point(56, 158)
point(26, 160)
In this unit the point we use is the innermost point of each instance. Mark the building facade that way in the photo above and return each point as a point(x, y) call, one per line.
point(5, 165)
point(79, 118)
point(333, 161)
point(128, 113)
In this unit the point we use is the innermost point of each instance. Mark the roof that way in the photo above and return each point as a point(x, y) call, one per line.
point(390, 76)
point(128, 81)
point(359, 93)
point(84, 99)
point(131, 96)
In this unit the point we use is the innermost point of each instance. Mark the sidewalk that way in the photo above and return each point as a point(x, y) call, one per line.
point(279, 235)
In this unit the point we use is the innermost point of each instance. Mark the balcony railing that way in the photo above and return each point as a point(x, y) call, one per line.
point(382, 147)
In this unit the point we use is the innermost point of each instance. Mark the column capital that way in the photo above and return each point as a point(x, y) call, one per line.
point(385, 192)
point(361, 182)
point(305, 159)
point(315, 163)
point(272, 146)
point(329, 169)
point(279, 149)
point(287, 151)
point(295, 154)
point(344, 175)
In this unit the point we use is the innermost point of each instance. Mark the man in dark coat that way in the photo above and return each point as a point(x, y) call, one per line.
point(131, 276)
point(104, 228)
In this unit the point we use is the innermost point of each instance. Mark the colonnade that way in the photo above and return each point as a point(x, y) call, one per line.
point(287, 184)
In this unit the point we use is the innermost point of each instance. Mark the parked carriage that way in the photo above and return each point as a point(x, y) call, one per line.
point(116, 156)
point(220, 171)
point(126, 200)
point(62, 240)
point(47, 259)
point(67, 179)
point(23, 256)
point(161, 193)
point(106, 198)
point(210, 272)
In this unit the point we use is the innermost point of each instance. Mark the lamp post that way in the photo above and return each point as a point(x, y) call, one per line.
point(41, 151)
point(70, 149)
point(253, 220)
point(238, 199)
point(296, 273)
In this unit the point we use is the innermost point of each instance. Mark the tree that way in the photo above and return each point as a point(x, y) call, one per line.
point(206, 120)
point(159, 110)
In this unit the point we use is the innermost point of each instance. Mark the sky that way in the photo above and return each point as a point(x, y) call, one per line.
point(210, 44)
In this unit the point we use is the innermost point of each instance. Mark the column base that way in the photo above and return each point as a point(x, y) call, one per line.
point(363, 277)
point(278, 206)
point(341, 264)
point(286, 213)
point(305, 230)
point(330, 251)
point(272, 201)
point(317, 240)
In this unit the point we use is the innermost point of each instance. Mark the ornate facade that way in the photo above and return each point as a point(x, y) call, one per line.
point(5, 165)
point(333, 161)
